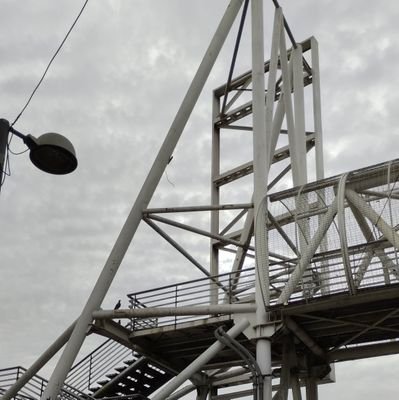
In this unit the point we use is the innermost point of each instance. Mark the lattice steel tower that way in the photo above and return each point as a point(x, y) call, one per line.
point(312, 267)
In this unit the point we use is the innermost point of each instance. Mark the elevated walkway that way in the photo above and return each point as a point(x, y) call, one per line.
point(343, 305)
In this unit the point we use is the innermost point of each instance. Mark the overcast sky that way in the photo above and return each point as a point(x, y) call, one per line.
point(113, 91)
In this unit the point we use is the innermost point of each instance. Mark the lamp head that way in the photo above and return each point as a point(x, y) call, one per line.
point(52, 153)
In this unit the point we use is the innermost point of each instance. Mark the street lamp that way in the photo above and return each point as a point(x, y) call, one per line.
point(51, 152)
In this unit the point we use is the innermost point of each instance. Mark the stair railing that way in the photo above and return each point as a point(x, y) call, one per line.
point(101, 361)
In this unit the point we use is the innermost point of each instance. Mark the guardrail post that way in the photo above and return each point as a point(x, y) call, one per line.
point(230, 290)
point(90, 368)
point(42, 387)
point(176, 304)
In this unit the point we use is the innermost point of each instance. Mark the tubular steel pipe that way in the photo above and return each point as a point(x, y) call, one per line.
point(174, 311)
point(129, 229)
point(205, 357)
point(308, 254)
point(304, 337)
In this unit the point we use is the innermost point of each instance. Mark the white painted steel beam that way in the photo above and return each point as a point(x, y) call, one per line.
point(247, 230)
point(190, 228)
point(177, 246)
point(318, 127)
point(182, 392)
point(174, 311)
point(304, 337)
point(129, 229)
point(342, 233)
point(212, 207)
point(271, 82)
point(389, 233)
point(365, 351)
point(307, 254)
point(369, 327)
point(262, 118)
point(299, 116)
point(215, 198)
point(196, 365)
point(388, 265)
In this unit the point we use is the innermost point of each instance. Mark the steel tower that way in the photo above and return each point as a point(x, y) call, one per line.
point(301, 274)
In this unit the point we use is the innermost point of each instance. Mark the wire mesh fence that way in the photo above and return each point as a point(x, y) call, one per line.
point(332, 236)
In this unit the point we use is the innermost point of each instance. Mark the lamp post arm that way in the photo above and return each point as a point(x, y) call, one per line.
point(29, 140)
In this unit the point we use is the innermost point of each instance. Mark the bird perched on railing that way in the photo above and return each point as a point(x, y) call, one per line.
point(118, 305)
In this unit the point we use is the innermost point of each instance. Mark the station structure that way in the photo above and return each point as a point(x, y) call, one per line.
point(312, 266)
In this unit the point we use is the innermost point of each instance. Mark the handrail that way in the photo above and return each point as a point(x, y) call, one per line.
point(94, 367)
point(87, 372)
point(35, 387)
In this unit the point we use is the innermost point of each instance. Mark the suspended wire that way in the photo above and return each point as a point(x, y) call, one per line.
point(292, 39)
point(50, 62)
point(6, 169)
point(286, 26)
point(167, 178)
point(16, 153)
point(235, 52)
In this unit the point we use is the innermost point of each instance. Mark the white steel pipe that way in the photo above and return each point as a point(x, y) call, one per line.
point(387, 230)
point(318, 127)
point(342, 232)
point(261, 150)
point(182, 392)
point(129, 229)
point(308, 254)
point(199, 362)
point(299, 115)
point(174, 311)
point(215, 197)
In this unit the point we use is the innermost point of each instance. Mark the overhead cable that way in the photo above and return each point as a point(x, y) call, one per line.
point(50, 62)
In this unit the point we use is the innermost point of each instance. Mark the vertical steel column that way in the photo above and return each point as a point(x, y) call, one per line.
point(129, 229)
point(285, 378)
point(296, 388)
point(311, 389)
point(215, 196)
point(318, 127)
point(300, 177)
point(261, 162)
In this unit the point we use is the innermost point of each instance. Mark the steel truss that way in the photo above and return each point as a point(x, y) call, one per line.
point(312, 269)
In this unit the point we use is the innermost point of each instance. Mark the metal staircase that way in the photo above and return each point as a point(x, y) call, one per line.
point(35, 387)
point(111, 370)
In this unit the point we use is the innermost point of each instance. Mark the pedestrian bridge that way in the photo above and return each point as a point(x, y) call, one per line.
point(334, 296)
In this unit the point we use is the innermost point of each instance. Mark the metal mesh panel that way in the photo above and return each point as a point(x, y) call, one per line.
point(358, 248)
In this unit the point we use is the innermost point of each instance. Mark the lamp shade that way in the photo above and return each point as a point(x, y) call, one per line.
point(52, 153)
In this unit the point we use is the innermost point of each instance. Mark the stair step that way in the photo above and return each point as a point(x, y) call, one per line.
point(120, 369)
point(94, 389)
point(112, 375)
point(103, 382)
